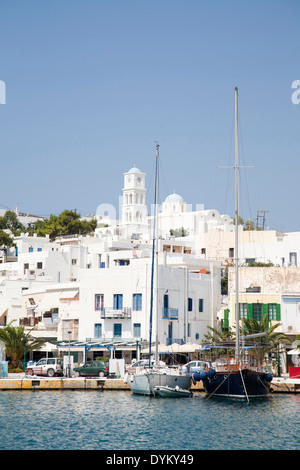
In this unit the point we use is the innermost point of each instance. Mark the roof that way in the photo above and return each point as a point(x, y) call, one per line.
point(174, 198)
point(134, 170)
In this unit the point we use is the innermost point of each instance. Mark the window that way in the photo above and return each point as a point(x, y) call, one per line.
point(190, 304)
point(231, 252)
point(74, 262)
point(201, 305)
point(118, 301)
point(257, 311)
point(272, 311)
point(30, 249)
point(39, 265)
point(117, 330)
point(243, 308)
point(166, 301)
point(293, 259)
point(137, 302)
point(136, 330)
point(99, 302)
point(98, 330)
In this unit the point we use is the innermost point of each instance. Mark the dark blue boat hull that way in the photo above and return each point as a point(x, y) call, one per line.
point(237, 384)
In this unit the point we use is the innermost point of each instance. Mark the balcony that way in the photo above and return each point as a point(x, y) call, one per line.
point(170, 313)
point(174, 341)
point(30, 321)
point(123, 313)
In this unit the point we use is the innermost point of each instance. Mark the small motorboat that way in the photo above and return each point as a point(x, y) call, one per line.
point(169, 392)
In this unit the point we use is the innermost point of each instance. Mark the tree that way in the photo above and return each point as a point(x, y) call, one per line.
point(271, 341)
point(10, 221)
point(67, 223)
point(249, 225)
point(215, 336)
point(17, 341)
point(5, 240)
point(179, 232)
point(240, 220)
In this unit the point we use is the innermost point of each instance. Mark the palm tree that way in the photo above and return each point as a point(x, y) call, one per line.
point(17, 341)
point(215, 336)
point(271, 340)
point(219, 336)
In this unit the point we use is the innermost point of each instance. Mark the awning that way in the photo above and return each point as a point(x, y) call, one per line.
point(69, 294)
point(86, 345)
point(174, 348)
point(49, 301)
point(294, 352)
point(48, 347)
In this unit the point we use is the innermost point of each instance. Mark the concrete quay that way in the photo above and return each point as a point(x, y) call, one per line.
point(25, 382)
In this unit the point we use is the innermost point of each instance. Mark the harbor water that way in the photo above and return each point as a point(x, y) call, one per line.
point(120, 420)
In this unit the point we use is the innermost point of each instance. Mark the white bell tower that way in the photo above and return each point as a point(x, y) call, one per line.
point(134, 208)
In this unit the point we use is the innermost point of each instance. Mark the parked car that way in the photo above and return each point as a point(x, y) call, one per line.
point(195, 366)
point(46, 366)
point(91, 369)
point(131, 369)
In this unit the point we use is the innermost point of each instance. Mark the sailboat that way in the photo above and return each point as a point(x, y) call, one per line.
point(145, 380)
point(241, 376)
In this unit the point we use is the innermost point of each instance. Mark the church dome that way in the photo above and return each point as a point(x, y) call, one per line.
point(134, 170)
point(174, 198)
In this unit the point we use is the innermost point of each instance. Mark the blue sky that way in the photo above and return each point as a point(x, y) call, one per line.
point(91, 85)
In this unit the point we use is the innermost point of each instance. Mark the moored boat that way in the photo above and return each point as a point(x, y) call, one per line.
point(169, 392)
point(145, 380)
point(238, 376)
point(235, 380)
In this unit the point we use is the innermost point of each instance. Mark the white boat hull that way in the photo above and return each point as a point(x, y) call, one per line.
point(167, 392)
point(144, 383)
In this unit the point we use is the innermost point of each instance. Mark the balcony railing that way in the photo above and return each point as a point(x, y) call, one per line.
point(174, 340)
point(113, 313)
point(170, 313)
point(30, 321)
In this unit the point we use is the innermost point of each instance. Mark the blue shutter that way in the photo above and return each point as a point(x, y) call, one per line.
point(98, 330)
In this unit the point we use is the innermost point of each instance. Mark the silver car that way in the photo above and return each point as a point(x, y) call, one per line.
point(195, 366)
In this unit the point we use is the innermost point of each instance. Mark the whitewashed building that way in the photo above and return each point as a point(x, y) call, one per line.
point(115, 300)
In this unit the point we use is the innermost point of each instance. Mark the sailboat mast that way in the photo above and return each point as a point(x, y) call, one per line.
point(154, 264)
point(236, 168)
point(156, 253)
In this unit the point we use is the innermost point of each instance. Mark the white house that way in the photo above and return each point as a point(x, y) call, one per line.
point(115, 301)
